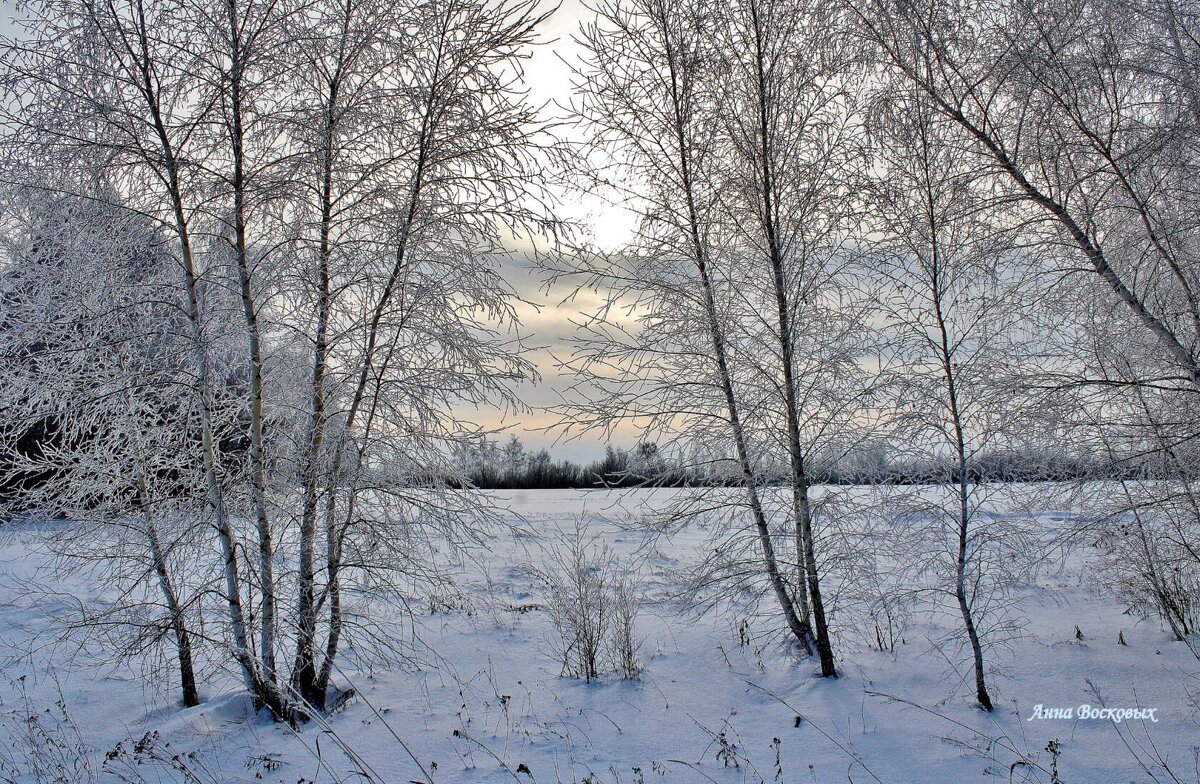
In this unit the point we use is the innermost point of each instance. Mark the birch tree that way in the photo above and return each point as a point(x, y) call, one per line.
point(108, 86)
point(956, 300)
point(333, 125)
point(240, 56)
point(661, 344)
point(375, 161)
point(1083, 115)
point(428, 156)
point(790, 133)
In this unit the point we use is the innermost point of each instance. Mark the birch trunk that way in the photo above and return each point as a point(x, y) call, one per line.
point(158, 560)
point(964, 504)
point(961, 560)
point(307, 679)
point(304, 678)
point(801, 502)
point(226, 533)
point(183, 640)
point(266, 556)
point(798, 625)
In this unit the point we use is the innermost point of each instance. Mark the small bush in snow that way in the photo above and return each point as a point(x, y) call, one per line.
point(1146, 533)
point(592, 606)
point(624, 643)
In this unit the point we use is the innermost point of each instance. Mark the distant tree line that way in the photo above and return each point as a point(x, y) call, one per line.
point(510, 465)
point(490, 465)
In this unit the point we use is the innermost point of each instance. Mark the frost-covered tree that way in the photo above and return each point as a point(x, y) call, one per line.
point(426, 155)
point(660, 350)
point(955, 304)
point(109, 90)
point(728, 322)
point(792, 128)
point(1081, 115)
point(91, 347)
point(339, 183)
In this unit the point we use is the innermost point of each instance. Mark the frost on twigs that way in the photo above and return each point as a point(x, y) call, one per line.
point(592, 601)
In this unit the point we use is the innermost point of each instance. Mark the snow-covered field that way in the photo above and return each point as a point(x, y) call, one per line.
point(722, 697)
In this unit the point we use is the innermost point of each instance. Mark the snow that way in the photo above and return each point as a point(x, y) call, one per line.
point(485, 699)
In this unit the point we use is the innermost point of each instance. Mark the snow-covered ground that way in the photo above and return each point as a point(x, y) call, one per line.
point(718, 701)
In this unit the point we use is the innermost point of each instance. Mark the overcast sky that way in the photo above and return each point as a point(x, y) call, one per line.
point(547, 323)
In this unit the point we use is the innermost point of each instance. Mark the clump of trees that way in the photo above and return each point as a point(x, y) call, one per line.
point(963, 229)
point(251, 269)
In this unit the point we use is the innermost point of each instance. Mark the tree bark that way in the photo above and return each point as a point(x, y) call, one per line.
point(801, 502)
point(798, 625)
point(266, 555)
